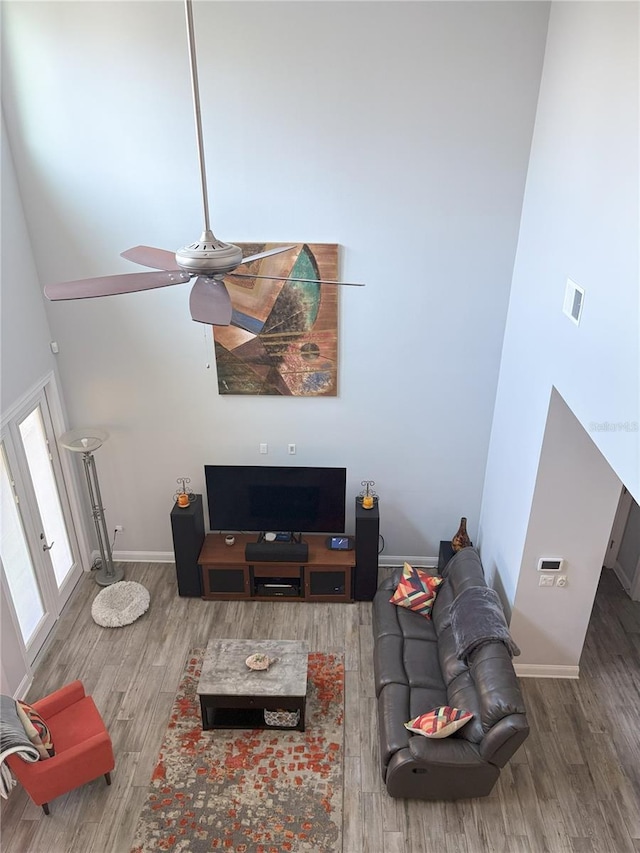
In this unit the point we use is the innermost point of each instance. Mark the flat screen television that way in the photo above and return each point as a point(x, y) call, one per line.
point(259, 498)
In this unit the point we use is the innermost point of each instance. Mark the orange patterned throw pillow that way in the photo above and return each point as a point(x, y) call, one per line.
point(416, 590)
point(36, 729)
point(441, 722)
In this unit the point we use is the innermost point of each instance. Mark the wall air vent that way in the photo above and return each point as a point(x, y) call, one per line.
point(573, 301)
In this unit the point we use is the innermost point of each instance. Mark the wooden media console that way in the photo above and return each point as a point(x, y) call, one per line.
point(226, 574)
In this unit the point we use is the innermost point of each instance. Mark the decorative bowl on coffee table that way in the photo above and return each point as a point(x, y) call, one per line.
point(259, 661)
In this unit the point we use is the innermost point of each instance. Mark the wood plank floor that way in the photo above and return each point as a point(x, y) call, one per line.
point(574, 786)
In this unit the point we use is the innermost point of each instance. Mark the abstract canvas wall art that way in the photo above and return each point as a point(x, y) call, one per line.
point(283, 337)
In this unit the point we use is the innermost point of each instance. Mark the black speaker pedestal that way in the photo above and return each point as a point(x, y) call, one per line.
point(445, 554)
point(367, 535)
point(187, 526)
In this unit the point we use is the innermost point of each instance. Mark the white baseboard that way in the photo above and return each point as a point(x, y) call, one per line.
point(168, 557)
point(625, 582)
point(139, 556)
point(543, 670)
point(144, 556)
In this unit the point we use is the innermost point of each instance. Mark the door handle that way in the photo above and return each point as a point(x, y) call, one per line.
point(46, 547)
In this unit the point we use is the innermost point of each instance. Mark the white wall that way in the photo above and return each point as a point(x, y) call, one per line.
point(25, 357)
point(399, 130)
point(574, 503)
point(579, 220)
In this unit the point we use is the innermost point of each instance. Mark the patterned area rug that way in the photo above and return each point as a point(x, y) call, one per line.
point(254, 791)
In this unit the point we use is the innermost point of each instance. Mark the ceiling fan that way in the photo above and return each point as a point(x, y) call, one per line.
point(207, 260)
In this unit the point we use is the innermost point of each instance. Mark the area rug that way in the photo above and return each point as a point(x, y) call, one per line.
point(254, 791)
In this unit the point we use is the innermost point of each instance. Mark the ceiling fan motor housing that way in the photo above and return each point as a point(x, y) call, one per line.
point(209, 256)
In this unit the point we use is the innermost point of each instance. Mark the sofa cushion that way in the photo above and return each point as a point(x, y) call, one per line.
point(441, 610)
point(416, 590)
point(450, 665)
point(440, 722)
point(413, 662)
point(394, 659)
point(397, 703)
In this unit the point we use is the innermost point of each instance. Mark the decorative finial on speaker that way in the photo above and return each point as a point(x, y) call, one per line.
point(367, 497)
point(184, 496)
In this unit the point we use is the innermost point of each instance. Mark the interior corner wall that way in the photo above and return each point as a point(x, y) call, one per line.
point(579, 221)
point(574, 503)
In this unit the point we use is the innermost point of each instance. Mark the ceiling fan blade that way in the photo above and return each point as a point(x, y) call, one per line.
point(293, 278)
point(266, 254)
point(147, 256)
point(209, 302)
point(110, 285)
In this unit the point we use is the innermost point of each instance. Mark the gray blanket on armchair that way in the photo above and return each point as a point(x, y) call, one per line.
point(477, 618)
point(13, 738)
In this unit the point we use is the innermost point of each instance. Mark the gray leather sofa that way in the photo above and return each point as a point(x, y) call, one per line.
point(417, 669)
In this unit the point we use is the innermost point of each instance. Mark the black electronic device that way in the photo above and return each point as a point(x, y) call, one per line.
point(278, 588)
point(256, 498)
point(340, 543)
point(365, 579)
point(276, 552)
point(187, 527)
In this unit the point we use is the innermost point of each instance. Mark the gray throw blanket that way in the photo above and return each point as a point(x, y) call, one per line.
point(13, 738)
point(477, 618)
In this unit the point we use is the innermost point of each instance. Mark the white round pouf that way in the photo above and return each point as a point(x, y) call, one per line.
point(120, 604)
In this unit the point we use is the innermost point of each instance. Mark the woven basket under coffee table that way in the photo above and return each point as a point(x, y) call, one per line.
point(233, 696)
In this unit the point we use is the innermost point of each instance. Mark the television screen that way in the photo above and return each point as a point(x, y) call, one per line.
point(260, 498)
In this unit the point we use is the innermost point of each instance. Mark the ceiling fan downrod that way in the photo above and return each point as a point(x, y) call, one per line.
point(195, 91)
point(208, 255)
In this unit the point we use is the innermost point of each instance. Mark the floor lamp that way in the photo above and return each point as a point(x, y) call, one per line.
point(85, 441)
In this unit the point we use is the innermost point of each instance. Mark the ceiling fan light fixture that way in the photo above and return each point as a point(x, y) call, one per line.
point(209, 256)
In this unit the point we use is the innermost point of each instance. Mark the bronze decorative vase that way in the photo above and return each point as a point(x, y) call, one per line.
point(461, 538)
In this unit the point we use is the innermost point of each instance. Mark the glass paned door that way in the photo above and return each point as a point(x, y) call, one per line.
point(54, 535)
point(38, 544)
point(16, 559)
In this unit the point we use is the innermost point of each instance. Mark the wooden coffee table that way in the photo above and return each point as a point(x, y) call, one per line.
point(232, 696)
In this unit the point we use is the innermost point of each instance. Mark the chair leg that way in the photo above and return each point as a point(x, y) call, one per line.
point(107, 776)
point(45, 808)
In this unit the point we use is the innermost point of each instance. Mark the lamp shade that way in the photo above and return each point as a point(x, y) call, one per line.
point(83, 440)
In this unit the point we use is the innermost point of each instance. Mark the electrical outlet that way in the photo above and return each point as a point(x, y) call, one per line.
point(264, 447)
point(292, 450)
point(546, 580)
point(118, 528)
point(561, 581)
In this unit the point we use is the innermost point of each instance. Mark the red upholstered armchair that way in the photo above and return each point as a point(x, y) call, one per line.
point(82, 745)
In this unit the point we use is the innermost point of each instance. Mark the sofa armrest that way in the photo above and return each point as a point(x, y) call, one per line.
point(57, 701)
point(503, 739)
point(444, 751)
